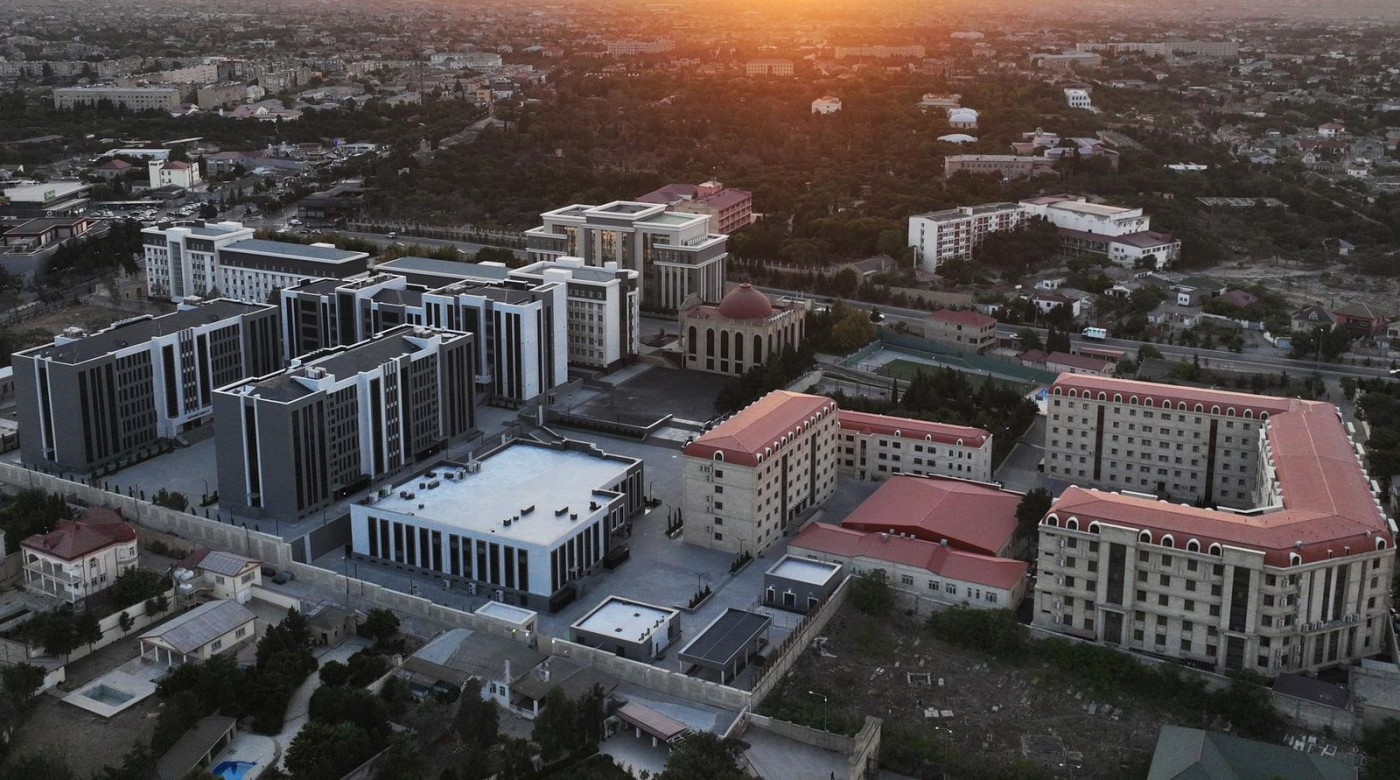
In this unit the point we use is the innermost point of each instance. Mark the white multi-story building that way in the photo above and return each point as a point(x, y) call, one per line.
point(940, 236)
point(758, 470)
point(478, 60)
point(674, 254)
point(1078, 97)
point(80, 557)
point(826, 104)
point(877, 446)
point(518, 526)
point(172, 173)
point(127, 98)
point(880, 51)
point(224, 260)
point(1121, 234)
point(768, 67)
point(632, 47)
point(604, 309)
point(1291, 574)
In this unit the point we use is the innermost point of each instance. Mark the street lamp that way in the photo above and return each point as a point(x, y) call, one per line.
point(825, 709)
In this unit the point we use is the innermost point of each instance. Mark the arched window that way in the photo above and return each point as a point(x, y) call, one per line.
point(1294, 559)
point(693, 345)
point(1216, 549)
point(1073, 393)
point(1052, 519)
point(1231, 412)
point(1150, 402)
point(1145, 536)
point(1103, 396)
point(757, 350)
point(1094, 527)
point(1118, 398)
point(1168, 541)
point(1072, 524)
point(1058, 391)
point(709, 342)
point(1380, 544)
point(1249, 414)
point(1181, 406)
point(1133, 400)
point(719, 456)
point(1215, 410)
point(723, 345)
point(1193, 546)
point(739, 347)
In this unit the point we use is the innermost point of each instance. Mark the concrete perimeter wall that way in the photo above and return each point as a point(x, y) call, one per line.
point(772, 673)
point(862, 751)
point(647, 676)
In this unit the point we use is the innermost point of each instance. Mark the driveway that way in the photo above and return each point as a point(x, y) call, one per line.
point(300, 704)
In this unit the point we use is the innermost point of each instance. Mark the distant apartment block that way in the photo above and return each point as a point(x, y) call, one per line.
point(87, 400)
point(226, 261)
point(631, 47)
point(1167, 48)
point(968, 330)
point(126, 98)
point(674, 254)
point(518, 526)
point(215, 96)
point(955, 233)
point(768, 67)
point(878, 446)
point(172, 173)
point(79, 558)
point(1291, 574)
point(478, 60)
point(1067, 61)
point(1009, 166)
point(880, 51)
point(1077, 97)
point(746, 479)
point(297, 440)
point(728, 209)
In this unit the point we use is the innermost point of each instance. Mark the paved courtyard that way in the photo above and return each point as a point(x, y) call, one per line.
point(689, 395)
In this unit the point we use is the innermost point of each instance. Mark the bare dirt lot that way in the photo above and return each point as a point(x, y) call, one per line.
point(991, 718)
point(85, 740)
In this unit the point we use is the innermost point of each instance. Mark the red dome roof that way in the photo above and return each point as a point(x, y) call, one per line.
point(745, 303)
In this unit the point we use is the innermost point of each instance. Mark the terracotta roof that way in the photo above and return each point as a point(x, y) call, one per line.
point(94, 530)
point(176, 165)
point(114, 165)
point(942, 561)
point(972, 517)
point(745, 303)
point(1328, 507)
point(1077, 361)
point(1157, 395)
point(743, 438)
point(962, 317)
point(944, 433)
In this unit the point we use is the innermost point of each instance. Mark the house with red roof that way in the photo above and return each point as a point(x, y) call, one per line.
point(1067, 363)
point(964, 329)
point(927, 573)
point(1361, 318)
point(728, 209)
point(81, 557)
point(172, 173)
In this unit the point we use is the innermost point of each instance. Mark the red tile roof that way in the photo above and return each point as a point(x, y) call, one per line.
point(94, 530)
point(885, 425)
point(972, 517)
point(1328, 506)
point(1077, 361)
point(760, 426)
point(963, 317)
point(942, 561)
point(1157, 395)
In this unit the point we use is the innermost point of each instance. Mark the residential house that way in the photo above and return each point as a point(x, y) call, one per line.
point(1192, 753)
point(81, 557)
point(1063, 362)
point(1310, 318)
point(200, 634)
point(1240, 298)
point(965, 329)
point(1361, 318)
point(460, 655)
point(224, 574)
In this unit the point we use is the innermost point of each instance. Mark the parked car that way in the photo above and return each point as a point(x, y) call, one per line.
point(283, 578)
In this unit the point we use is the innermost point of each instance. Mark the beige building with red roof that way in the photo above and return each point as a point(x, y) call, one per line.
point(874, 446)
point(80, 557)
point(926, 572)
point(966, 329)
point(1291, 574)
point(758, 470)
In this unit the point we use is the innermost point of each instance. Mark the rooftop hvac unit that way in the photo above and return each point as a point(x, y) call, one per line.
point(384, 492)
point(433, 484)
point(561, 510)
point(527, 510)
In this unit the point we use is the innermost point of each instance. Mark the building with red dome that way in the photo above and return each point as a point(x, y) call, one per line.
point(739, 333)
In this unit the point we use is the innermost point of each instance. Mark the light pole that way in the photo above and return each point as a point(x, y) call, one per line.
point(946, 734)
point(825, 709)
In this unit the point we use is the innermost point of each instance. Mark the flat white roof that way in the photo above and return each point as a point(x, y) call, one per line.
point(45, 191)
point(1092, 208)
point(509, 482)
point(516, 616)
point(804, 570)
point(632, 621)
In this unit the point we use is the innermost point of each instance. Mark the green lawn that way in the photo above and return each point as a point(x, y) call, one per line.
point(906, 370)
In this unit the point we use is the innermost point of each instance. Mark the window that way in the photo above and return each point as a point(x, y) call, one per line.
point(906, 579)
point(218, 643)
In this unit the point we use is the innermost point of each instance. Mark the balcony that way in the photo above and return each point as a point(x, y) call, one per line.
point(49, 572)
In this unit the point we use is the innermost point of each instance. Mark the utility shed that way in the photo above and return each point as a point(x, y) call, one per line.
point(727, 645)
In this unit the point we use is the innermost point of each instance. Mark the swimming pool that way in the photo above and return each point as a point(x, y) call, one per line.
point(233, 770)
point(108, 695)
